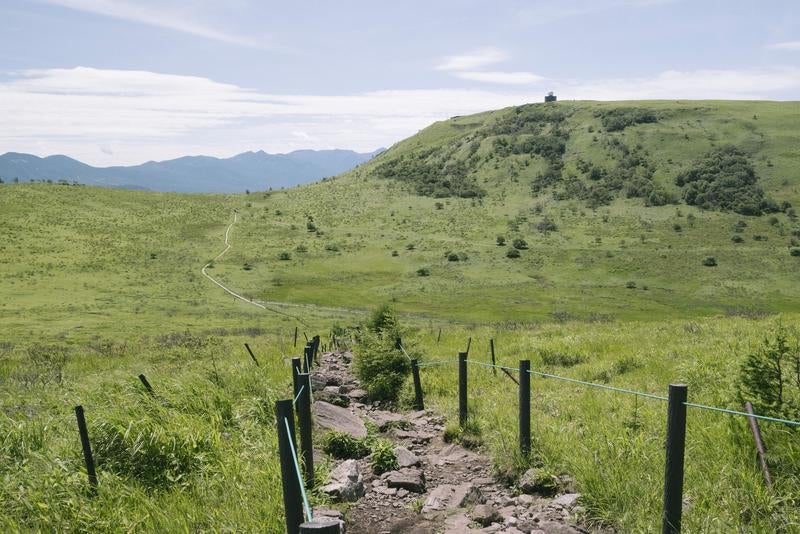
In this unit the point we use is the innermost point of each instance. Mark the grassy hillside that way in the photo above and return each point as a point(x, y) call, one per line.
point(613, 285)
point(363, 237)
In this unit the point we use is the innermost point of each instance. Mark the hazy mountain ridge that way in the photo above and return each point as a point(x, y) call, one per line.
point(203, 174)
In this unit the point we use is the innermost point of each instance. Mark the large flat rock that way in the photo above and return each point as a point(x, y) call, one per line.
point(339, 419)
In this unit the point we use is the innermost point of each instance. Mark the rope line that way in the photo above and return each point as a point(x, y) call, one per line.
point(298, 394)
point(745, 414)
point(297, 471)
point(404, 351)
point(435, 362)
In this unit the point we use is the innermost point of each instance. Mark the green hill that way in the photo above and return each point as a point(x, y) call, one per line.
point(577, 182)
point(630, 222)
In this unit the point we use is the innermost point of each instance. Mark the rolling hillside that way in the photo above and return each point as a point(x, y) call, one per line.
point(654, 242)
point(592, 250)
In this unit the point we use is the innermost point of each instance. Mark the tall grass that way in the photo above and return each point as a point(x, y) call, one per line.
point(199, 455)
point(613, 444)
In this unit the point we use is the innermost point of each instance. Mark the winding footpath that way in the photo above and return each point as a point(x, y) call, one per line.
point(231, 292)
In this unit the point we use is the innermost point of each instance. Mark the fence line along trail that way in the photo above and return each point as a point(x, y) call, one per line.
point(229, 290)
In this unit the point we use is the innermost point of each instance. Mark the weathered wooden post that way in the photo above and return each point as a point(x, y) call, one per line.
point(462, 389)
point(439, 337)
point(146, 384)
point(673, 471)
point(295, 336)
point(87, 448)
point(491, 347)
point(762, 450)
point(307, 351)
point(292, 497)
point(253, 356)
point(419, 403)
point(524, 407)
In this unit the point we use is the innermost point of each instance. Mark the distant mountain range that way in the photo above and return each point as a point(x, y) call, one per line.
point(201, 174)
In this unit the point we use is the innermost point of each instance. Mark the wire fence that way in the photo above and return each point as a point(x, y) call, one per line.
point(728, 411)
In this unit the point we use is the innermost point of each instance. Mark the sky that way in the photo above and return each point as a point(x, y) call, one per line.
point(120, 82)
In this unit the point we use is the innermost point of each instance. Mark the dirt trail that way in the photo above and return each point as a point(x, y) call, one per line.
point(440, 487)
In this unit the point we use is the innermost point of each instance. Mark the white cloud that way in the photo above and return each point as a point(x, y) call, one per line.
point(512, 78)
point(473, 60)
point(788, 45)
point(159, 14)
point(546, 11)
point(698, 84)
point(107, 117)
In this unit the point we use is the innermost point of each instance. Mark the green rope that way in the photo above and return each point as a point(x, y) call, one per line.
point(297, 470)
point(404, 351)
point(435, 362)
point(298, 394)
point(734, 412)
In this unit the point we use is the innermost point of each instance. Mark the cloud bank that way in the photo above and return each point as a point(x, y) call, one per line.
point(109, 117)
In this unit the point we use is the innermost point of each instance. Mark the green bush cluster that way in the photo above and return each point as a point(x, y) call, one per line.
point(432, 174)
point(380, 364)
point(617, 119)
point(725, 180)
point(383, 458)
point(343, 446)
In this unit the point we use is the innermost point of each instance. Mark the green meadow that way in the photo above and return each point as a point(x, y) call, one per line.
point(613, 284)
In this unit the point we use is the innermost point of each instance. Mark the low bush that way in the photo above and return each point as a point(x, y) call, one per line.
point(383, 458)
point(512, 253)
point(343, 446)
point(710, 261)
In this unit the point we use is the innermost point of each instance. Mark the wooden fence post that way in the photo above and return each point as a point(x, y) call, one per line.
point(253, 356)
point(439, 337)
point(762, 450)
point(146, 384)
point(673, 471)
point(87, 448)
point(462, 389)
point(295, 336)
point(419, 403)
point(524, 407)
point(292, 497)
point(491, 347)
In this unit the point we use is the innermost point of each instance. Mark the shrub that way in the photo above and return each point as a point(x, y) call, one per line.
point(332, 247)
point(520, 244)
point(301, 248)
point(546, 225)
point(284, 256)
point(379, 364)
point(617, 119)
point(501, 241)
point(737, 239)
point(769, 376)
point(343, 446)
point(423, 271)
point(710, 261)
point(795, 252)
point(512, 253)
point(395, 253)
point(630, 285)
point(452, 256)
point(724, 179)
point(677, 227)
point(383, 458)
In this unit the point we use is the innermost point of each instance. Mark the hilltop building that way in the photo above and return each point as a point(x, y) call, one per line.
point(550, 97)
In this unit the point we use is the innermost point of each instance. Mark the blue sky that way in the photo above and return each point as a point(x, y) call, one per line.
point(125, 81)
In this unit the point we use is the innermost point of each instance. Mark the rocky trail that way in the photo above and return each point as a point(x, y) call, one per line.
point(438, 487)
